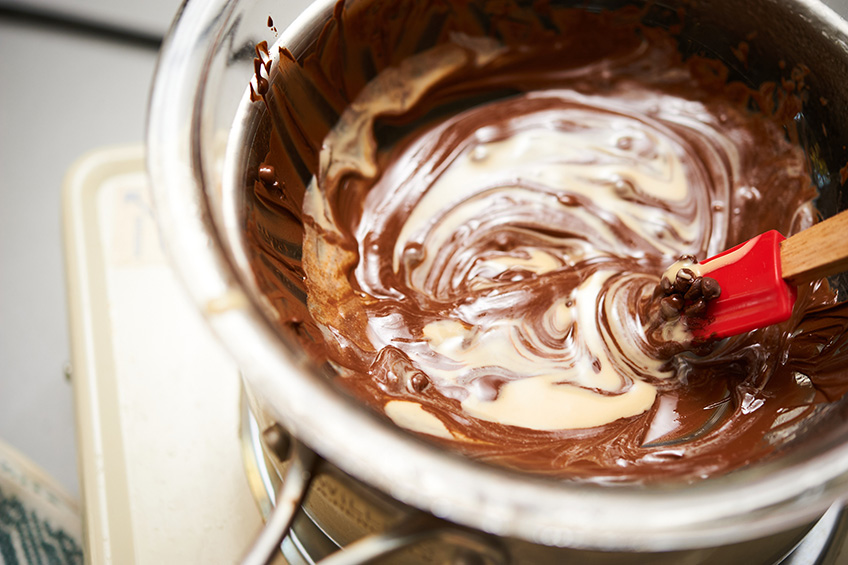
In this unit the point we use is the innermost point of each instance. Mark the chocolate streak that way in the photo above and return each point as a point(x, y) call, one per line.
point(519, 198)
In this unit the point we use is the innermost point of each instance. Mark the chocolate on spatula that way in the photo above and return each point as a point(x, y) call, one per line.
point(758, 278)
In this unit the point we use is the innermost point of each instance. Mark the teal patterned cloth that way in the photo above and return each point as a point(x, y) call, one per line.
point(39, 524)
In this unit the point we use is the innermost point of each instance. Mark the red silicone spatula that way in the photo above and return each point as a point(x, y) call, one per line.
point(758, 277)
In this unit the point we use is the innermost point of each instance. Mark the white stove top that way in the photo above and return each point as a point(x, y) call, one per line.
point(157, 398)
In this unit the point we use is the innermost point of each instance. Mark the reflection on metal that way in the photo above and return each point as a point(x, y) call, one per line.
point(255, 466)
point(825, 541)
point(417, 528)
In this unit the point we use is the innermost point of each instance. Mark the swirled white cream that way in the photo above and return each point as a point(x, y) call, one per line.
point(509, 262)
point(561, 388)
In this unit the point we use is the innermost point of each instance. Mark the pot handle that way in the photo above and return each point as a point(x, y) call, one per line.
point(296, 483)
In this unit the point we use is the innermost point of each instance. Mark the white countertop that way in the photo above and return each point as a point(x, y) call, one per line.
point(157, 397)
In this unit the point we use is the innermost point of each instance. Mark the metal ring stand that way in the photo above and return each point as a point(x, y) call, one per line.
point(295, 485)
point(416, 527)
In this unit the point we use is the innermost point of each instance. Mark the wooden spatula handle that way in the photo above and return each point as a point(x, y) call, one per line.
point(816, 252)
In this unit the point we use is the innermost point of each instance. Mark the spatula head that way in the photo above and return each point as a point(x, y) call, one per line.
point(753, 292)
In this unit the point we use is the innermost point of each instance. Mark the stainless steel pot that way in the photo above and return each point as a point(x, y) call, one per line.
point(202, 135)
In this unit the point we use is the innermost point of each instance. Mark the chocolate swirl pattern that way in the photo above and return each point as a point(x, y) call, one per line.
point(483, 240)
point(512, 242)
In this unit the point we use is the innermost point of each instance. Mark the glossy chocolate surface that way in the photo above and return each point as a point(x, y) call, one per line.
point(466, 219)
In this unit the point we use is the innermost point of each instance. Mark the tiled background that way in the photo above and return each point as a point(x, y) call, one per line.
point(64, 90)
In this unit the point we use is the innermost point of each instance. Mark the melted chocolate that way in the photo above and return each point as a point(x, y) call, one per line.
point(486, 223)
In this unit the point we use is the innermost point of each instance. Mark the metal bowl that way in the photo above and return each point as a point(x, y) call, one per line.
point(203, 135)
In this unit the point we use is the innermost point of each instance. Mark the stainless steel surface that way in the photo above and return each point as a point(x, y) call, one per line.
point(417, 529)
point(826, 543)
point(298, 475)
point(312, 542)
point(196, 100)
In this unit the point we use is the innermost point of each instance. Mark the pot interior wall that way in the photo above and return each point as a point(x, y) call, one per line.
point(792, 52)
